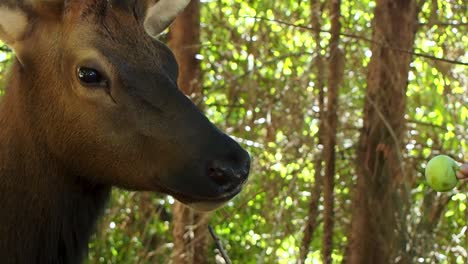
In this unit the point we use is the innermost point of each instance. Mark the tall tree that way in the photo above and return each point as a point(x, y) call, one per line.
point(189, 227)
point(311, 224)
point(335, 74)
point(379, 160)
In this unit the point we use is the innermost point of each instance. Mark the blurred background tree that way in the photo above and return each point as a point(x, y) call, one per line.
point(341, 104)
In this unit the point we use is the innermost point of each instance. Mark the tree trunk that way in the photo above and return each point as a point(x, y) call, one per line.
point(190, 227)
point(379, 162)
point(316, 191)
point(184, 40)
point(335, 74)
point(190, 235)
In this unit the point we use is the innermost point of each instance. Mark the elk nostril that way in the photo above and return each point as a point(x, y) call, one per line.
point(231, 172)
point(219, 176)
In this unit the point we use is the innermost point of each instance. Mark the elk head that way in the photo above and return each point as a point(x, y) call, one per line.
point(100, 93)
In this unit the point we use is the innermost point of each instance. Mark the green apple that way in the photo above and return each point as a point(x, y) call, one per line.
point(441, 173)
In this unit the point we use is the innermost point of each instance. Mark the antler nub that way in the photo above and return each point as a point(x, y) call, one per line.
point(161, 15)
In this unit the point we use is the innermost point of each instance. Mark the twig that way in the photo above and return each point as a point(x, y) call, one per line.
point(444, 24)
point(218, 245)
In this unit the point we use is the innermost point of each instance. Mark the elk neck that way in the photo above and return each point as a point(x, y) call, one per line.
point(48, 212)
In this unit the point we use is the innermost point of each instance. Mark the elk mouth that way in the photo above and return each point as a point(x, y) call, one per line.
point(207, 185)
point(202, 203)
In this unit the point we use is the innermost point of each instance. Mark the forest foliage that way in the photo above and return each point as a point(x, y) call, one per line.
point(259, 68)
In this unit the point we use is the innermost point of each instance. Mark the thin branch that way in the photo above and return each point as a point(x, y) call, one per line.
point(225, 105)
point(353, 36)
point(444, 24)
point(219, 245)
point(422, 123)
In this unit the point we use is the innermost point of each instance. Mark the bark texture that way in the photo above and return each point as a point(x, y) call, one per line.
point(190, 227)
point(377, 201)
point(190, 235)
point(335, 75)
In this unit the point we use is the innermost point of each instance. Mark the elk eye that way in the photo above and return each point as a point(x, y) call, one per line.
point(91, 77)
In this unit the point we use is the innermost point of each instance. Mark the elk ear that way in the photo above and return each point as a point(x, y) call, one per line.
point(160, 15)
point(15, 16)
point(13, 25)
